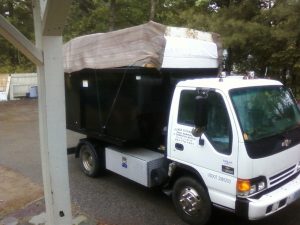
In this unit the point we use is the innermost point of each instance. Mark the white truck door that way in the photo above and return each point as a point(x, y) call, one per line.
point(214, 155)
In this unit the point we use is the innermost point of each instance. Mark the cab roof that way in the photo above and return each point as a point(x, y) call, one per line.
point(228, 83)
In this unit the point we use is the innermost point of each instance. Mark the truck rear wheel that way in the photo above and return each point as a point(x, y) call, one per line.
point(90, 160)
point(191, 201)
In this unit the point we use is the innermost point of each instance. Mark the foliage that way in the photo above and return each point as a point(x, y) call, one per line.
point(91, 16)
point(19, 13)
point(260, 35)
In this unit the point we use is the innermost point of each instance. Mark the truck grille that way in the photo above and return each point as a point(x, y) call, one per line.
point(282, 175)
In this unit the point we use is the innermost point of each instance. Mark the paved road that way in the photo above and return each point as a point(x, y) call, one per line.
point(111, 199)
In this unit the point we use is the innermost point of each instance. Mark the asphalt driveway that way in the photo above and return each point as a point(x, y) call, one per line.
point(111, 199)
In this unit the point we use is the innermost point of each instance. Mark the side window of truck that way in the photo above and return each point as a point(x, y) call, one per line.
point(186, 112)
point(218, 129)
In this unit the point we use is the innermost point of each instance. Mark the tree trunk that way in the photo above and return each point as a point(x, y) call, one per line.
point(152, 9)
point(10, 7)
point(229, 61)
point(283, 76)
point(112, 15)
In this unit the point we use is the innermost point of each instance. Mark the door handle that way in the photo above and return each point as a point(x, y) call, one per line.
point(179, 146)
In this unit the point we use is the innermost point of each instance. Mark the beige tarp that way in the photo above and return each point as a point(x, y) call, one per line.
point(134, 46)
point(151, 43)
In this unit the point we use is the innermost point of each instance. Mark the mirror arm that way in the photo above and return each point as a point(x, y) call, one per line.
point(198, 132)
point(201, 141)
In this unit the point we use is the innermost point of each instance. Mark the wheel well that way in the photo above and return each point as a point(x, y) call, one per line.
point(92, 157)
point(88, 141)
point(182, 170)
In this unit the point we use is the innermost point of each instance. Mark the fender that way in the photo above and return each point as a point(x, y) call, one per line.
point(178, 170)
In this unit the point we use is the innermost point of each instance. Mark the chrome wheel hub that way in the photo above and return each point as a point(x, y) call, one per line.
point(87, 160)
point(190, 201)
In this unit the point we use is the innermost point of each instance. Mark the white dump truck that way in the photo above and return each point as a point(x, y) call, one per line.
point(154, 110)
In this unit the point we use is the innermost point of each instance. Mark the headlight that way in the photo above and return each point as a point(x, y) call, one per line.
point(249, 187)
point(261, 185)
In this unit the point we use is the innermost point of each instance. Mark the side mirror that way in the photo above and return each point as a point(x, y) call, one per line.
point(200, 119)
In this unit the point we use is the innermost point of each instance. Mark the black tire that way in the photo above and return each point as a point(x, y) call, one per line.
point(191, 201)
point(91, 162)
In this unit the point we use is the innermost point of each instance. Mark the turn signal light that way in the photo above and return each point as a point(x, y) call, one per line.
point(243, 185)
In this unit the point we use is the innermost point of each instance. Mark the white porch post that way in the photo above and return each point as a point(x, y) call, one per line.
point(53, 133)
point(52, 116)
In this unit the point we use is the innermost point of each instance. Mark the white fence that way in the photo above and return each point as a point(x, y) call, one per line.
point(21, 84)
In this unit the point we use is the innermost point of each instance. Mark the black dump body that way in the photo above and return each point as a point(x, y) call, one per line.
point(124, 106)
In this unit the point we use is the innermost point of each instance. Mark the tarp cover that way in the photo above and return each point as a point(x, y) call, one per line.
point(147, 44)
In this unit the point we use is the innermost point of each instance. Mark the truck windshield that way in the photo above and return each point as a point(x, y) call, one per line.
point(265, 111)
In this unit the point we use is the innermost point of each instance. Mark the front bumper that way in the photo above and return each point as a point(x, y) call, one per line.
point(271, 202)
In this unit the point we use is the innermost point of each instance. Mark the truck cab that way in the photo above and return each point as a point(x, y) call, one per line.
point(158, 114)
point(244, 150)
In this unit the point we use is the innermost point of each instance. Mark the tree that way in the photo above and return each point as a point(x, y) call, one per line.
point(92, 16)
point(285, 60)
point(19, 13)
point(260, 35)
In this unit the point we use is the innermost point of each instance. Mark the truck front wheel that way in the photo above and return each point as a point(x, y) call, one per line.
point(90, 160)
point(191, 201)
